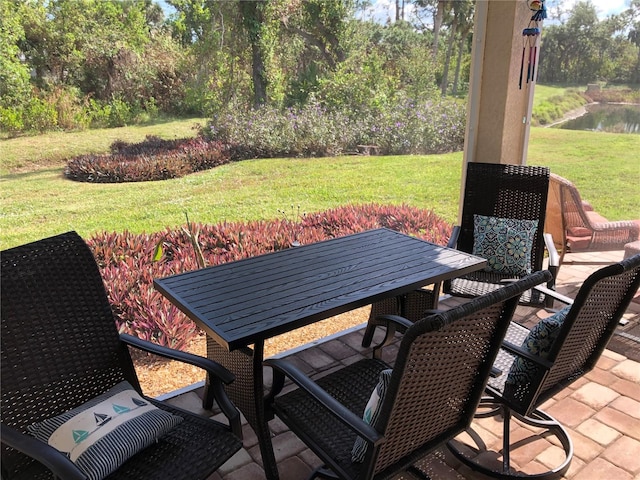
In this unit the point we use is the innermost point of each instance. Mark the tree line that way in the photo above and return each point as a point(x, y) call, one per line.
point(83, 63)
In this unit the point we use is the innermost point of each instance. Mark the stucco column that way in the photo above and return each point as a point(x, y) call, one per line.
point(499, 111)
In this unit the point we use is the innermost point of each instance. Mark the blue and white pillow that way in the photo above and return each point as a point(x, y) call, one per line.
point(371, 413)
point(505, 243)
point(538, 342)
point(101, 434)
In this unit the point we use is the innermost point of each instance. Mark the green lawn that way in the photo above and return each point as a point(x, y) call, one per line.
point(38, 202)
point(545, 92)
point(52, 148)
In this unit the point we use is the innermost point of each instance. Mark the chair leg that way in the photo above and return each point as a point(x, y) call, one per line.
point(538, 419)
point(388, 306)
point(368, 334)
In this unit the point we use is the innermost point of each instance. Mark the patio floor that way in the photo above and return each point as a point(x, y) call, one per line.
point(601, 411)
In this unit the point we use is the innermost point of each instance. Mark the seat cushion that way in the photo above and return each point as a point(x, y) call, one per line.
point(371, 413)
point(538, 342)
point(506, 243)
point(101, 434)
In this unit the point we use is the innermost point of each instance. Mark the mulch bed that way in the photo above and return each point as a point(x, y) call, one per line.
point(159, 376)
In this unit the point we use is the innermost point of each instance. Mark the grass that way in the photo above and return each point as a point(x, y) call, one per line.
point(603, 166)
point(552, 102)
point(544, 93)
point(55, 147)
point(39, 201)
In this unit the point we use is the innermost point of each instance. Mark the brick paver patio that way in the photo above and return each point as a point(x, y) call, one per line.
point(601, 411)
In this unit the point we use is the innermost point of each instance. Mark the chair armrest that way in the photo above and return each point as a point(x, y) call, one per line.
point(282, 368)
point(217, 374)
point(58, 463)
point(453, 240)
point(554, 256)
point(210, 366)
point(400, 323)
point(521, 352)
point(555, 295)
point(392, 323)
point(553, 267)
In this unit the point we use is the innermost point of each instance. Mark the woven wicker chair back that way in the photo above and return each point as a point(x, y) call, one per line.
point(59, 339)
point(594, 316)
point(577, 226)
point(441, 371)
point(587, 328)
point(507, 191)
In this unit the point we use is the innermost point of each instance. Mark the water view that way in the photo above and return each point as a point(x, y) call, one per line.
point(607, 118)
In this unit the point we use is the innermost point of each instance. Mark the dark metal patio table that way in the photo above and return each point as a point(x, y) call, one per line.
point(241, 304)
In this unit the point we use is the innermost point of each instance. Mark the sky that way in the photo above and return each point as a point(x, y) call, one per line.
point(383, 9)
point(603, 7)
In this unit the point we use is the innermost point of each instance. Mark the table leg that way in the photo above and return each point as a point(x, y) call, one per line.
point(247, 392)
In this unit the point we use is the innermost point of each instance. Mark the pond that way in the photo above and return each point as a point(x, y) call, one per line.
point(607, 118)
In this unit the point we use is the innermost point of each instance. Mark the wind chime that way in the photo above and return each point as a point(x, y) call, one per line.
point(531, 36)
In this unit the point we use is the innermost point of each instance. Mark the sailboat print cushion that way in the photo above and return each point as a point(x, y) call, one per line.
point(101, 434)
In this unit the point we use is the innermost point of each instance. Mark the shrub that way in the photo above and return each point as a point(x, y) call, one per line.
point(39, 115)
point(152, 144)
point(127, 266)
point(614, 95)
point(68, 109)
point(95, 114)
point(310, 131)
point(420, 127)
point(11, 120)
point(120, 113)
point(153, 159)
point(548, 111)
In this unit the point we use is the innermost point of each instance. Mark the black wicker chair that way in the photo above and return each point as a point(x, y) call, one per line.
point(422, 407)
point(581, 338)
point(61, 348)
point(507, 191)
point(497, 190)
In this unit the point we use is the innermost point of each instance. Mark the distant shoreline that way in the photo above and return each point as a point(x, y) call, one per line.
point(579, 112)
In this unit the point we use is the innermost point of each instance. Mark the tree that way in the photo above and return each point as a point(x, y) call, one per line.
point(253, 20)
point(582, 49)
point(464, 29)
point(14, 73)
point(442, 8)
point(462, 18)
point(632, 22)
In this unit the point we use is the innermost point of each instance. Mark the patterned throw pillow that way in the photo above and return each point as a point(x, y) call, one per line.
point(538, 342)
point(101, 434)
point(371, 413)
point(506, 243)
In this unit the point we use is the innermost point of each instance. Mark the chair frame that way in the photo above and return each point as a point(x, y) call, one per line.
point(61, 347)
point(335, 402)
point(588, 326)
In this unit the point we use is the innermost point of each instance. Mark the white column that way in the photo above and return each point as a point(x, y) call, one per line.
point(499, 110)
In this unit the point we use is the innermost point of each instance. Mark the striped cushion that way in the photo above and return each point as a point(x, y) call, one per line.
point(371, 413)
point(101, 434)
